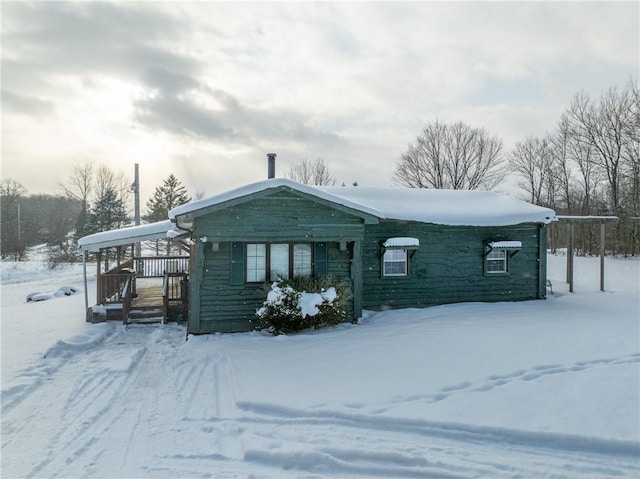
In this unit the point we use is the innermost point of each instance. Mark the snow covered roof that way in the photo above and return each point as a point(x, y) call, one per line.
point(445, 207)
point(132, 234)
point(264, 186)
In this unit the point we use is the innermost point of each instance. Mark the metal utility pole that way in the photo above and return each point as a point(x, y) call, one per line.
point(136, 191)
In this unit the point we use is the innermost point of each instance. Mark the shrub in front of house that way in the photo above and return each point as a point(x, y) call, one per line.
point(301, 303)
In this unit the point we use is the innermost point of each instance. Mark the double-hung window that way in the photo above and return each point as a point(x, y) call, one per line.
point(274, 261)
point(394, 262)
point(496, 261)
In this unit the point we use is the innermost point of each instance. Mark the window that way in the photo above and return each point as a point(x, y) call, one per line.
point(394, 262)
point(279, 264)
point(496, 261)
point(302, 259)
point(281, 260)
point(256, 262)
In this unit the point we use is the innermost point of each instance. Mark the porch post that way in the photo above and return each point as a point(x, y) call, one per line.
point(98, 277)
point(84, 273)
point(356, 277)
point(570, 257)
point(602, 250)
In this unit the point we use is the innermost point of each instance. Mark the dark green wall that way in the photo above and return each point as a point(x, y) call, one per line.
point(281, 216)
point(449, 266)
point(224, 305)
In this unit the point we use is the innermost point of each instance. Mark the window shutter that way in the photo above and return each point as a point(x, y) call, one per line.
point(236, 271)
point(320, 260)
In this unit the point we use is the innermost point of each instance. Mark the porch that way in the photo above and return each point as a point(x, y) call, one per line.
point(140, 289)
point(150, 289)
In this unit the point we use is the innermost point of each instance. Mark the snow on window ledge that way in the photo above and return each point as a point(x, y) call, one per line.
point(505, 244)
point(401, 242)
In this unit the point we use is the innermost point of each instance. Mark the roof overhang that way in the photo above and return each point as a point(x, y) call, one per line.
point(133, 234)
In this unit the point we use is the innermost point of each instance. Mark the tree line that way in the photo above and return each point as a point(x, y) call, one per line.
point(94, 199)
point(588, 165)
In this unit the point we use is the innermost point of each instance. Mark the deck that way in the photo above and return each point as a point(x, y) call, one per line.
point(153, 292)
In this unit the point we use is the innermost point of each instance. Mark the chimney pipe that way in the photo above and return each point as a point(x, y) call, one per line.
point(271, 172)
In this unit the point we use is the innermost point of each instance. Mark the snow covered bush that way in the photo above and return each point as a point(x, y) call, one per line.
point(300, 303)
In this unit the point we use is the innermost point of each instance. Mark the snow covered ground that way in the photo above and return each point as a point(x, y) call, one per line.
point(536, 389)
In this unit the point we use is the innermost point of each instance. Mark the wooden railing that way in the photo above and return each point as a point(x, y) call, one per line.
point(110, 284)
point(175, 288)
point(127, 298)
point(156, 266)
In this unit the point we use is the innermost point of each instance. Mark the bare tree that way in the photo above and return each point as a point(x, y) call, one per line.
point(605, 126)
point(11, 190)
point(312, 173)
point(532, 159)
point(12, 238)
point(455, 156)
point(79, 186)
point(87, 182)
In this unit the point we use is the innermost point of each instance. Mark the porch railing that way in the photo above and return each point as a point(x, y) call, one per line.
point(156, 266)
point(111, 287)
point(175, 289)
point(111, 284)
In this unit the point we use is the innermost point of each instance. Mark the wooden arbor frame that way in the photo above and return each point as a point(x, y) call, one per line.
point(571, 221)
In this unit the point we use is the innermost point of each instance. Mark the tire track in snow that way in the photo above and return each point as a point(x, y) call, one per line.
point(428, 449)
point(100, 415)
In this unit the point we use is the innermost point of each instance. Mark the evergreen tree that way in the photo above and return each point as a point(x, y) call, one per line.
point(108, 212)
point(166, 197)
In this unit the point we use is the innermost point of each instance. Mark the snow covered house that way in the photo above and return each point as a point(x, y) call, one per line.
point(396, 247)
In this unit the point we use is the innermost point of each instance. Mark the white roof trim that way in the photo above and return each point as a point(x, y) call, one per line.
point(124, 236)
point(402, 242)
point(506, 244)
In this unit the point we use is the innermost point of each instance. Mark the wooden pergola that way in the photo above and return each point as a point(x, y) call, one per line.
point(571, 221)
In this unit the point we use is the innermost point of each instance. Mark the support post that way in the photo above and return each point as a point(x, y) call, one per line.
point(84, 274)
point(356, 277)
point(602, 251)
point(136, 191)
point(570, 257)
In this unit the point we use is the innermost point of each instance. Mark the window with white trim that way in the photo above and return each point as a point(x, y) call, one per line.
point(279, 260)
point(395, 262)
point(496, 261)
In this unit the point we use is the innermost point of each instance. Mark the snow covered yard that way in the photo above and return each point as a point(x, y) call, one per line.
point(531, 389)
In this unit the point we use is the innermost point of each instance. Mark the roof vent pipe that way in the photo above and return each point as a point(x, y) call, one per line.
point(271, 172)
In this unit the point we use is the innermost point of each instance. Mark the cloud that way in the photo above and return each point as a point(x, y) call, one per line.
point(165, 82)
point(27, 105)
point(53, 39)
point(182, 112)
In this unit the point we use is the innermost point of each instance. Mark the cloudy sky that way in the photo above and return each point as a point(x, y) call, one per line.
point(204, 90)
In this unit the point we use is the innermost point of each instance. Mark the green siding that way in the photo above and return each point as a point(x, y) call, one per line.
point(225, 303)
point(449, 266)
point(282, 216)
